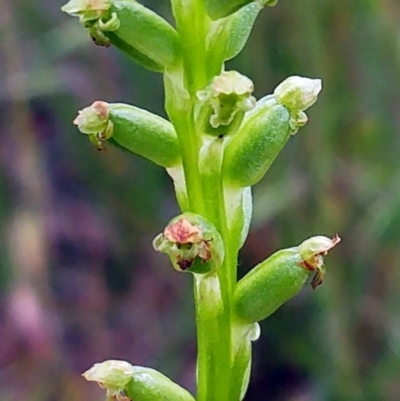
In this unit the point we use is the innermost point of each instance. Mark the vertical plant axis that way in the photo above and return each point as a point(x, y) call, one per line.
point(219, 142)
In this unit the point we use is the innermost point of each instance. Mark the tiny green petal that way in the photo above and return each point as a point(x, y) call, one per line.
point(297, 120)
point(98, 36)
point(110, 25)
point(298, 93)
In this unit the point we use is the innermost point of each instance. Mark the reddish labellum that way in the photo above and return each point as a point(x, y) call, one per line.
point(182, 232)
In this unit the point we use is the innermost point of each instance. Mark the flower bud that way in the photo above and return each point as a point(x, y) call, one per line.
point(141, 33)
point(124, 382)
point(224, 102)
point(133, 129)
point(298, 93)
point(280, 277)
point(192, 243)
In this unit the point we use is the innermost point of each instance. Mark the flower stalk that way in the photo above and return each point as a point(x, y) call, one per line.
point(219, 142)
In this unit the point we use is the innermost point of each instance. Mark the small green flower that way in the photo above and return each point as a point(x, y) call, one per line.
point(95, 122)
point(224, 102)
point(93, 119)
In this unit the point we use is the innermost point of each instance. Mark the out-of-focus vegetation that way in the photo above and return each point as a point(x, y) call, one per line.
point(79, 280)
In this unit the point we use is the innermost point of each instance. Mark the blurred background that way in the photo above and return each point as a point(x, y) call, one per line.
point(79, 281)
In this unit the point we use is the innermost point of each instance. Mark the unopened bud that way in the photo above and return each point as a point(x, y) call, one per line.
point(298, 93)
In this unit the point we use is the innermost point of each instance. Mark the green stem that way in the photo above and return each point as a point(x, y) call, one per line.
point(202, 161)
point(180, 110)
point(218, 337)
point(192, 24)
point(213, 333)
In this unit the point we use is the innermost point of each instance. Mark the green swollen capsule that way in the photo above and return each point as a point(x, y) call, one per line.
point(149, 385)
point(146, 31)
point(280, 277)
point(252, 150)
point(266, 129)
point(141, 33)
point(134, 54)
point(131, 128)
point(123, 381)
